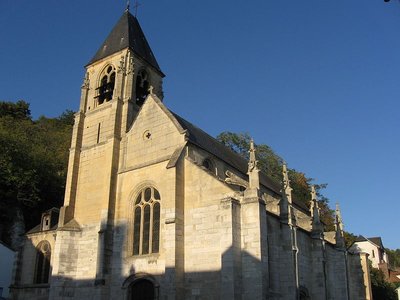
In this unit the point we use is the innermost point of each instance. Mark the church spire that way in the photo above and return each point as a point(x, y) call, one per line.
point(338, 219)
point(339, 233)
point(286, 184)
point(127, 33)
point(317, 229)
point(285, 205)
point(254, 180)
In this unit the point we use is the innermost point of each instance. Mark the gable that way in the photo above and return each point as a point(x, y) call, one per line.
point(153, 137)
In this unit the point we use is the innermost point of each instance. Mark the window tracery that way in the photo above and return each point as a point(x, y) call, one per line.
point(105, 90)
point(146, 222)
point(142, 86)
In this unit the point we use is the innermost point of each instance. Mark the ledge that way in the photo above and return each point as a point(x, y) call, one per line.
point(31, 286)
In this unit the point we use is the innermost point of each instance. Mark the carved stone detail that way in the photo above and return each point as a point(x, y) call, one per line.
point(131, 66)
point(86, 81)
point(121, 67)
point(235, 180)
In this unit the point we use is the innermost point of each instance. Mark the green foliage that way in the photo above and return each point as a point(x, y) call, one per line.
point(381, 289)
point(19, 110)
point(271, 164)
point(268, 161)
point(394, 258)
point(33, 163)
point(349, 238)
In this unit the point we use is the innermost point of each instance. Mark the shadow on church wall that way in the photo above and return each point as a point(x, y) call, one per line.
point(238, 276)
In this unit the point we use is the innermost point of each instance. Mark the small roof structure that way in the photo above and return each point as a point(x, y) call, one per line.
point(377, 241)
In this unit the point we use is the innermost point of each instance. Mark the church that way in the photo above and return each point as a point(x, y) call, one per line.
point(155, 208)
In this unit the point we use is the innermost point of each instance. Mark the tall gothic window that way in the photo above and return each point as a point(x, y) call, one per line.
point(146, 222)
point(142, 87)
point(106, 89)
point(42, 269)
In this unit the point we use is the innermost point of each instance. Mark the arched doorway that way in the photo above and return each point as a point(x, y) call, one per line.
point(141, 289)
point(303, 293)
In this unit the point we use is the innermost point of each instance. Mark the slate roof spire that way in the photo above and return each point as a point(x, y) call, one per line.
point(127, 33)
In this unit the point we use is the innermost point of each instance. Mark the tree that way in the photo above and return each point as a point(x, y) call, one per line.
point(381, 289)
point(271, 163)
point(33, 166)
point(394, 258)
point(349, 239)
point(19, 110)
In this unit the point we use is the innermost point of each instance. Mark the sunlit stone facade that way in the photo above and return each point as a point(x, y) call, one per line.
point(157, 209)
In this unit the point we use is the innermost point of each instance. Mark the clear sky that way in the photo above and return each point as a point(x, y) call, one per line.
point(316, 80)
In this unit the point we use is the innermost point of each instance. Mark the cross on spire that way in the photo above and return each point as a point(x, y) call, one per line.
point(135, 6)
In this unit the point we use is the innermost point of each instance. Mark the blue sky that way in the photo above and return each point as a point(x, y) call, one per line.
point(316, 80)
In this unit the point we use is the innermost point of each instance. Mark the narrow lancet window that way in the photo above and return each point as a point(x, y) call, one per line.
point(146, 222)
point(136, 231)
point(156, 228)
point(42, 268)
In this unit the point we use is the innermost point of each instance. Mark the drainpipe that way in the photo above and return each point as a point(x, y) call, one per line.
point(295, 260)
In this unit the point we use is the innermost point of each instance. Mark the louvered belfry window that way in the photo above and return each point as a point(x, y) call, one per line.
point(106, 89)
point(146, 222)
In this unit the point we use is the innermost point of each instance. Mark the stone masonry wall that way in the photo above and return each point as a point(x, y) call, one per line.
point(208, 234)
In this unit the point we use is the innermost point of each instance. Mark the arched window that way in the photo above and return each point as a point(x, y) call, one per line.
point(142, 87)
point(106, 89)
point(42, 269)
point(146, 222)
point(209, 165)
point(141, 289)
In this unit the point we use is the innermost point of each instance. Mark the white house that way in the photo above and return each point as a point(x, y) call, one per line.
point(374, 247)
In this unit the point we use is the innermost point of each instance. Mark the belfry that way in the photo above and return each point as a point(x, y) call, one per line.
point(155, 208)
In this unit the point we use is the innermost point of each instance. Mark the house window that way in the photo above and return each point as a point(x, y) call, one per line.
point(46, 222)
point(146, 222)
point(373, 254)
point(142, 87)
point(106, 87)
point(42, 269)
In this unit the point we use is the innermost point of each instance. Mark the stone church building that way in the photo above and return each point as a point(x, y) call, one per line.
point(155, 208)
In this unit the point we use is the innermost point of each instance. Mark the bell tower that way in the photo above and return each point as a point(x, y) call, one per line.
point(117, 81)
